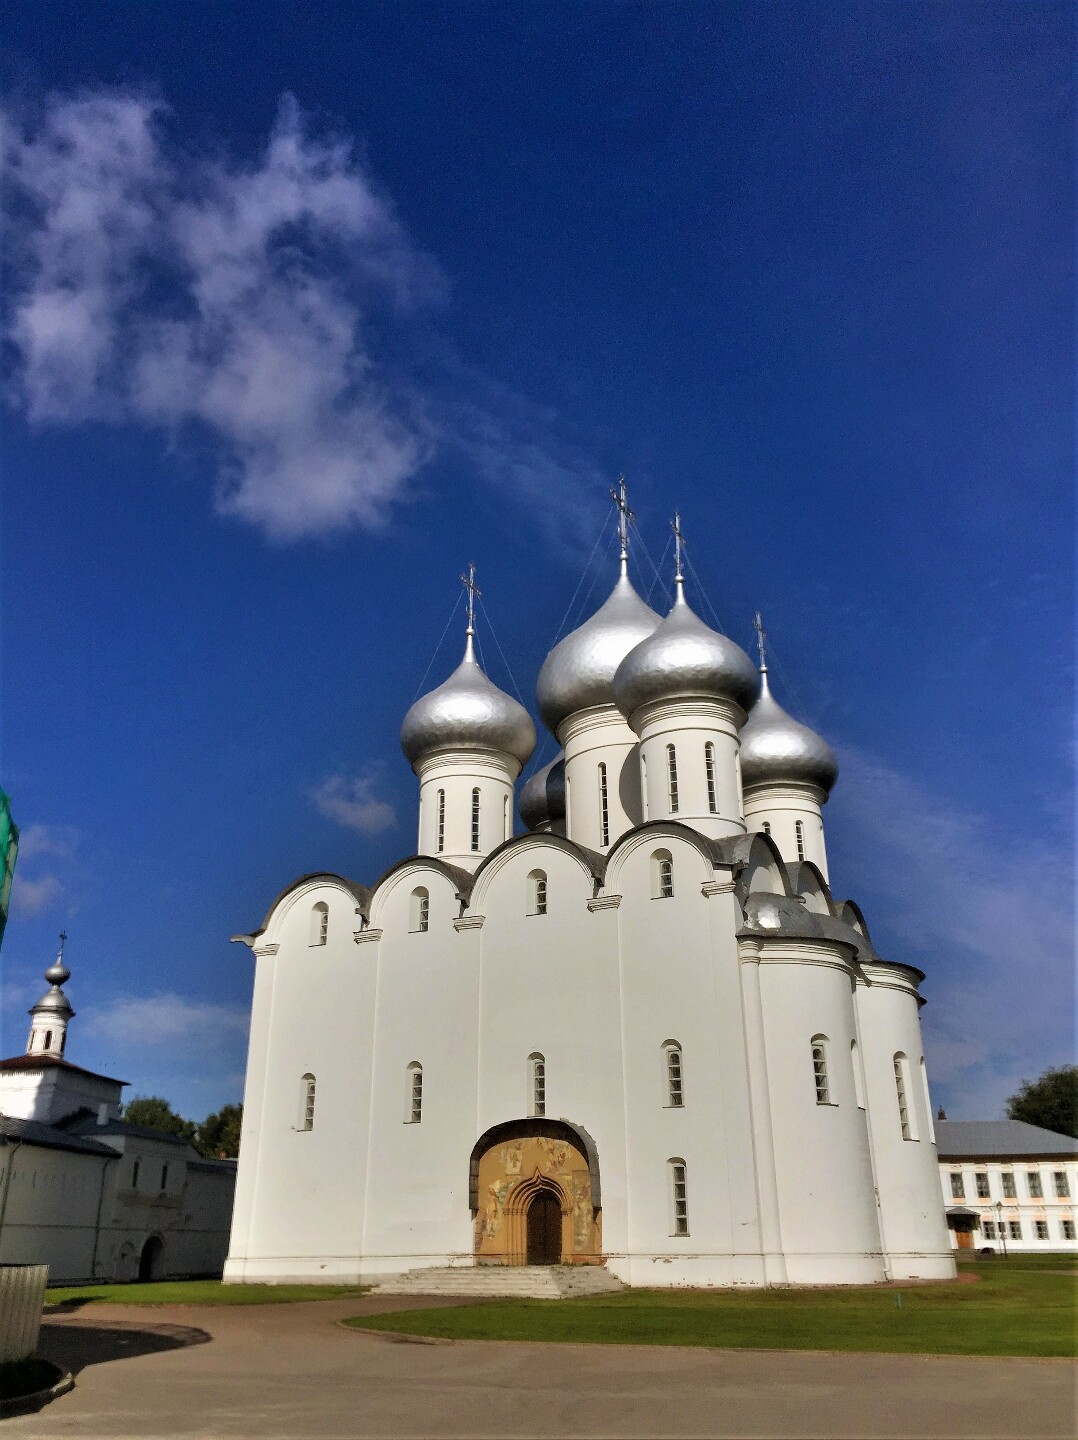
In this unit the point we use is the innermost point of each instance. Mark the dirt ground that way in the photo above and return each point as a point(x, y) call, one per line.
point(293, 1371)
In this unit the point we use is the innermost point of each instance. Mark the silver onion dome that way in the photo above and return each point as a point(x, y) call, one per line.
point(542, 801)
point(53, 1002)
point(579, 671)
point(468, 712)
point(683, 658)
point(776, 747)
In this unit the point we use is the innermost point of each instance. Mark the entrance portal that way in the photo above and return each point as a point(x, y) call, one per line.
point(544, 1229)
point(149, 1265)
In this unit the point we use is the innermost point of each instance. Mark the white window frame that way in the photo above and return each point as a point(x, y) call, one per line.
point(673, 1075)
point(604, 806)
point(799, 835)
point(982, 1184)
point(1008, 1185)
point(308, 1092)
point(538, 893)
point(671, 779)
point(663, 876)
point(319, 923)
point(821, 1069)
point(1034, 1184)
point(440, 833)
point(415, 1094)
point(709, 772)
point(476, 831)
point(419, 918)
point(907, 1115)
point(1062, 1184)
point(958, 1185)
point(678, 1189)
point(1040, 1228)
point(536, 1083)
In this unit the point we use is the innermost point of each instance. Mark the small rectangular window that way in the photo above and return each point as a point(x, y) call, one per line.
point(475, 819)
point(1063, 1188)
point(989, 1229)
point(681, 1199)
point(709, 768)
point(1068, 1230)
point(1015, 1229)
point(134, 1174)
point(958, 1185)
point(415, 1113)
point(671, 767)
point(903, 1102)
point(799, 831)
point(1042, 1229)
point(983, 1192)
point(164, 1177)
point(1009, 1191)
point(1033, 1180)
point(675, 1089)
point(538, 1086)
point(819, 1072)
point(441, 821)
point(604, 807)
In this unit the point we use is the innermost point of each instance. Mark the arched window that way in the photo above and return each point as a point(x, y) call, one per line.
point(415, 1093)
point(662, 875)
point(319, 923)
point(905, 1109)
point(134, 1174)
point(307, 1086)
point(709, 769)
point(419, 921)
point(799, 831)
point(928, 1101)
point(858, 1078)
point(63, 1041)
point(47, 1044)
point(673, 1075)
point(767, 827)
point(679, 1197)
point(604, 806)
point(644, 783)
point(537, 1083)
point(475, 818)
point(819, 1069)
point(671, 777)
point(441, 821)
point(537, 892)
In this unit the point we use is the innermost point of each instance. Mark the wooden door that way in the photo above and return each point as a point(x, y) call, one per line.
point(544, 1229)
point(965, 1239)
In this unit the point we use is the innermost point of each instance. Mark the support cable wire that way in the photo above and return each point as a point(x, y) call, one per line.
point(698, 583)
point(437, 647)
point(666, 592)
point(662, 562)
point(494, 636)
point(583, 576)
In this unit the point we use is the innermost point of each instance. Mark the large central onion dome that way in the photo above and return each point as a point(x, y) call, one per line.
point(684, 658)
point(468, 712)
point(579, 671)
point(542, 800)
point(775, 747)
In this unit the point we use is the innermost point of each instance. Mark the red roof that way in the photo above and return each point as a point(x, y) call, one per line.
point(53, 1062)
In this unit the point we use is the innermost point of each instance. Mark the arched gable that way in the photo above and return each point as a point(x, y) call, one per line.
point(300, 888)
point(850, 912)
point(807, 881)
point(520, 847)
point(756, 861)
point(535, 1125)
point(424, 870)
point(658, 833)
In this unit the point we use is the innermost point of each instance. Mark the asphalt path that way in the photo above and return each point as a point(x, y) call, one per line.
point(294, 1371)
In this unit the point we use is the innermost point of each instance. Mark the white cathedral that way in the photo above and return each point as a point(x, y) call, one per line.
point(642, 1035)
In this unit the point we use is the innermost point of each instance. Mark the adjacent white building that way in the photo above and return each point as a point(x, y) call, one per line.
point(1008, 1185)
point(644, 1034)
point(83, 1191)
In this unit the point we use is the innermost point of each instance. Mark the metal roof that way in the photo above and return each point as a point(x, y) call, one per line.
point(35, 1132)
point(999, 1140)
point(53, 1062)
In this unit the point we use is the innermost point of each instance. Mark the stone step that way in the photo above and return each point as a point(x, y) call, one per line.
point(537, 1282)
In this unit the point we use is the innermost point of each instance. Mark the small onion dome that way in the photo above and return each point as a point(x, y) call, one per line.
point(468, 712)
point(579, 671)
point(683, 658)
point(53, 1002)
point(542, 801)
point(776, 747)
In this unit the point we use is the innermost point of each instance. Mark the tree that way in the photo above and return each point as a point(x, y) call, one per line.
point(219, 1134)
point(157, 1114)
point(1051, 1101)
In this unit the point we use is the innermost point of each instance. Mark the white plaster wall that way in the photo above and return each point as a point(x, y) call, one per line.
point(911, 1215)
point(51, 1093)
point(689, 725)
point(588, 737)
point(781, 806)
point(50, 1212)
point(458, 773)
point(824, 1171)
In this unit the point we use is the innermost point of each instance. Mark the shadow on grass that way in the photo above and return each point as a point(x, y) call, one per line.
point(73, 1347)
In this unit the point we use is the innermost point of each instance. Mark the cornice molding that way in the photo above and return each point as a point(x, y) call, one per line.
point(469, 922)
point(718, 887)
point(604, 902)
point(367, 936)
point(265, 949)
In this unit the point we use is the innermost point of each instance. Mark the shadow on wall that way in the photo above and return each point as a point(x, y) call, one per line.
point(75, 1346)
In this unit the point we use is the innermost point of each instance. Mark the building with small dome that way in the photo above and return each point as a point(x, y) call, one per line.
point(642, 1034)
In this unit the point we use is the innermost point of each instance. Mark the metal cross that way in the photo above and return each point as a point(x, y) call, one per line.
point(679, 540)
point(620, 496)
point(63, 942)
point(468, 581)
point(761, 639)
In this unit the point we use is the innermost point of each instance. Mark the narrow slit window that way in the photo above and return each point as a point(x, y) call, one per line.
point(537, 1067)
point(415, 1093)
point(320, 923)
point(819, 1070)
point(644, 785)
point(709, 769)
point(604, 806)
point(538, 892)
point(420, 910)
point(767, 827)
point(475, 818)
point(441, 821)
point(164, 1177)
point(903, 1098)
point(671, 776)
point(675, 1079)
point(135, 1168)
point(679, 1198)
point(307, 1117)
point(799, 830)
point(664, 875)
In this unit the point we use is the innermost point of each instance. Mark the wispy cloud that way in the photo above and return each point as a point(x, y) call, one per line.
point(142, 1022)
point(31, 898)
point(991, 921)
point(57, 840)
point(351, 801)
point(268, 310)
point(51, 849)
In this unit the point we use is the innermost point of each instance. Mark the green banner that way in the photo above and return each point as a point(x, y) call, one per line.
point(9, 850)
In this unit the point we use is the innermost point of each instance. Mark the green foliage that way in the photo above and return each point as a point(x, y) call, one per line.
point(219, 1134)
point(157, 1114)
point(198, 1292)
point(1005, 1312)
point(1051, 1101)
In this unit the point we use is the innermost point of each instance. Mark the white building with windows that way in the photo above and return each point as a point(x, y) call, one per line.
point(1008, 1185)
point(642, 1034)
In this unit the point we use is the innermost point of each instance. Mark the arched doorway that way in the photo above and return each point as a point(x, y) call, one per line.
point(544, 1229)
point(534, 1190)
point(149, 1263)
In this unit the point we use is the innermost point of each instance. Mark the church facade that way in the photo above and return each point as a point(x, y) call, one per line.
point(642, 1034)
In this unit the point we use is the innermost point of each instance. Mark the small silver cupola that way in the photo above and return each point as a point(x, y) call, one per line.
point(49, 1017)
point(775, 747)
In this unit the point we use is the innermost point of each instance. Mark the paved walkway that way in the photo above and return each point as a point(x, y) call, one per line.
point(274, 1371)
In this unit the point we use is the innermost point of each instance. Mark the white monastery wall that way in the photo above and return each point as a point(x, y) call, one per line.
point(51, 1200)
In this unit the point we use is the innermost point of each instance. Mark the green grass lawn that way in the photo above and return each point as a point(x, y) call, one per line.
point(199, 1292)
point(1005, 1312)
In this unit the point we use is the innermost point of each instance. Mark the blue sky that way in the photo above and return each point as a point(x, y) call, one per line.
point(304, 313)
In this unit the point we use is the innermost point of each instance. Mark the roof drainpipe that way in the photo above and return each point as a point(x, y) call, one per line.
point(97, 1218)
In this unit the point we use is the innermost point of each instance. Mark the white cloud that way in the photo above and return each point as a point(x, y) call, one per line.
point(58, 840)
point(351, 801)
point(179, 290)
point(989, 917)
point(33, 897)
point(142, 1022)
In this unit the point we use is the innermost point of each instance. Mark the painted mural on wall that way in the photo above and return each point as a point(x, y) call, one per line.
point(510, 1174)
